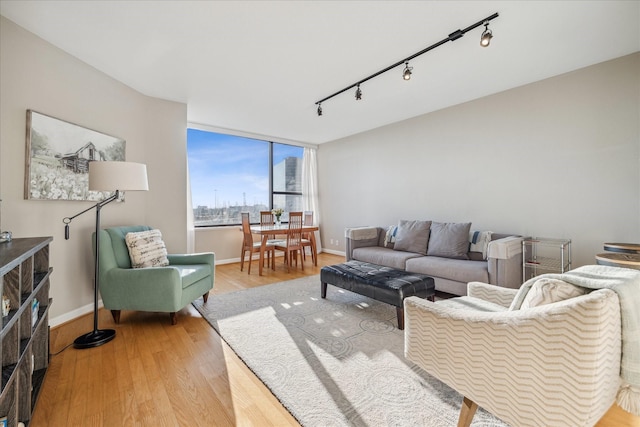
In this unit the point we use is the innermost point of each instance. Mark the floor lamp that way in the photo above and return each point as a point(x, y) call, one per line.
point(106, 176)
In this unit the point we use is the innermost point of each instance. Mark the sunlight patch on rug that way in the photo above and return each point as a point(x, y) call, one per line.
point(332, 362)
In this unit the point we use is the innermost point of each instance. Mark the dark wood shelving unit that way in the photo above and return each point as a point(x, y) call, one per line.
point(24, 340)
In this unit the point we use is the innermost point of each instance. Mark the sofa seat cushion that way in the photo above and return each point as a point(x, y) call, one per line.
point(471, 303)
point(454, 269)
point(383, 256)
point(190, 274)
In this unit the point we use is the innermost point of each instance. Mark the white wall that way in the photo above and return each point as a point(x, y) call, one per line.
point(35, 75)
point(556, 158)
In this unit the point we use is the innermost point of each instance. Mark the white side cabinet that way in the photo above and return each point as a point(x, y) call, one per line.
point(544, 255)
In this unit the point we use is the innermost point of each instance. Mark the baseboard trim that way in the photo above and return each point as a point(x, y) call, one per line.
point(279, 255)
point(72, 315)
point(255, 257)
point(333, 252)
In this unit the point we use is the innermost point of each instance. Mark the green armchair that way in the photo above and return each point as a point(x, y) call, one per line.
point(162, 289)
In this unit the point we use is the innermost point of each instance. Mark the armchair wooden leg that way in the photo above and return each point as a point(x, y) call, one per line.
point(174, 318)
point(467, 411)
point(205, 297)
point(116, 316)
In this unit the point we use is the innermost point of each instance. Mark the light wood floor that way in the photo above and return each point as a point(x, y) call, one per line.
point(155, 374)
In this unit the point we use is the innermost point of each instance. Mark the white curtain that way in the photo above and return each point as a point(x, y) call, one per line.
point(310, 188)
point(191, 231)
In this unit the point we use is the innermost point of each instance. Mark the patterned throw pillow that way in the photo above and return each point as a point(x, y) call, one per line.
point(547, 291)
point(479, 242)
point(146, 249)
point(390, 237)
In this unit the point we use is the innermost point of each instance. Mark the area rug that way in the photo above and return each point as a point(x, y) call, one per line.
point(332, 362)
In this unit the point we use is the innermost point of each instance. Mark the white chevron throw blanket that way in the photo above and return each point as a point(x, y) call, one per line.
point(626, 283)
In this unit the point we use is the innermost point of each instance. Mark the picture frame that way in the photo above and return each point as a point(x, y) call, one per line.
point(58, 155)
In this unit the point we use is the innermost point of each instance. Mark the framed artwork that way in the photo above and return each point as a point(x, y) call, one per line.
point(58, 155)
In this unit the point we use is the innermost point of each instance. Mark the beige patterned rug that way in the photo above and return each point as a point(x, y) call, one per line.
point(332, 362)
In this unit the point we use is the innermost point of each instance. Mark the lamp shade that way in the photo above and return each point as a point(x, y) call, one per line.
point(123, 176)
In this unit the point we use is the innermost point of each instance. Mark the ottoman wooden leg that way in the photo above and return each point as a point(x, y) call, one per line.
point(323, 290)
point(400, 313)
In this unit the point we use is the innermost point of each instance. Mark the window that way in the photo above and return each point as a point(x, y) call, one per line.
point(231, 174)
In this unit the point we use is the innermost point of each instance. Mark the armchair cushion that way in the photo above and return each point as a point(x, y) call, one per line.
point(492, 293)
point(146, 249)
point(118, 245)
point(190, 274)
point(470, 303)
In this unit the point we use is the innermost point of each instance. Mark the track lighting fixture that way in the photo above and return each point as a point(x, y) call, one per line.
point(358, 93)
point(486, 36)
point(406, 74)
point(485, 39)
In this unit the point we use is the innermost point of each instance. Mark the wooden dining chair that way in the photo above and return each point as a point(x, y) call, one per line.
point(254, 247)
point(307, 240)
point(293, 245)
point(267, 218)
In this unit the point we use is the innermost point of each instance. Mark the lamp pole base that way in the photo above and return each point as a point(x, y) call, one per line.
point(94, 338)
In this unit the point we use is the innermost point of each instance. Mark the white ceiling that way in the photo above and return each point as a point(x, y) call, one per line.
point(260, 66)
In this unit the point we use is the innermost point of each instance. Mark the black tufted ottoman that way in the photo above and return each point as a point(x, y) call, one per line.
point(384, 284)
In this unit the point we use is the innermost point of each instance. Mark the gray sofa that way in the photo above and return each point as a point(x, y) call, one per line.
point(447, 252)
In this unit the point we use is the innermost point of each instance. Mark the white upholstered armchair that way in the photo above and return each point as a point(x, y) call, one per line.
point(554, 364)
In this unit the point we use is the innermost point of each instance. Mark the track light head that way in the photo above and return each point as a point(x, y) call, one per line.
point(486, 36)
point(319, 109)
point(358, 93)
point(406, 74)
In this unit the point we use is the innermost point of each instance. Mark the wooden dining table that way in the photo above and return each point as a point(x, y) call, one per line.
point(281, 230)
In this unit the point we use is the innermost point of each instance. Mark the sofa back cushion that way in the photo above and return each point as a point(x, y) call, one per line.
point(412, 236)
point(449, 240)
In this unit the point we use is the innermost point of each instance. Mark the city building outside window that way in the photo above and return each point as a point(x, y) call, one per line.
point(231, 174)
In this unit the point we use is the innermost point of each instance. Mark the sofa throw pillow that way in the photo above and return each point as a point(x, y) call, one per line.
point(449, 240)
point(146, 249)
point(546, 291)
point(412, 236)
point(390, 237)
point(479, 242)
